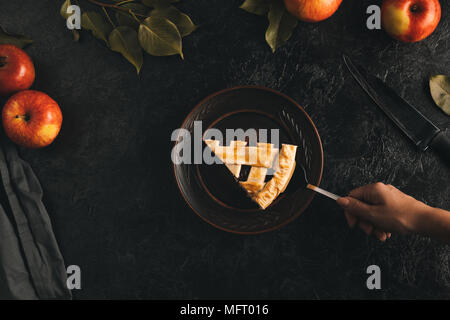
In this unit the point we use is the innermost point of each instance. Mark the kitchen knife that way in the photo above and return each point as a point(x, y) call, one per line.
point(411, 121)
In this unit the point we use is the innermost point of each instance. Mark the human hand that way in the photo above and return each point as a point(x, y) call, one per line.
point(377, 207)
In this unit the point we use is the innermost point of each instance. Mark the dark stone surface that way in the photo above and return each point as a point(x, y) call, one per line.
point(108, 178)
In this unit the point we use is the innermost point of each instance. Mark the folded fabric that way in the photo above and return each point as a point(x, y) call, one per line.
point(31, 265)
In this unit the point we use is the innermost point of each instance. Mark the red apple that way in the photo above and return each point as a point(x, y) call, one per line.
point(16, 70)
point(31, 119)
point(312, 10)
point(410, 20)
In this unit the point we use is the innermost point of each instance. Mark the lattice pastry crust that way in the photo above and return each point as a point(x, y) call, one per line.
point(260, 158)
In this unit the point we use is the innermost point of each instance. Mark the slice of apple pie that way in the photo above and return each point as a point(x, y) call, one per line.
point(260, 158)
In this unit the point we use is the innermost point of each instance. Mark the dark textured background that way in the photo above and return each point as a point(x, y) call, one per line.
point(108, 178)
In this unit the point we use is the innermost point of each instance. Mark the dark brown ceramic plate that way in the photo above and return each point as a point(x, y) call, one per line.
point(212, 192)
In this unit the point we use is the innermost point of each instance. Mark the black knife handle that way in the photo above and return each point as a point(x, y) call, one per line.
point(441, 144)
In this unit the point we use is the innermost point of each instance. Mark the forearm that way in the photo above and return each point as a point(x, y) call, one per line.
point(435, 223)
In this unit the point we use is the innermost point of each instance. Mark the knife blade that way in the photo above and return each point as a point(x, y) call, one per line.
point(417, 127)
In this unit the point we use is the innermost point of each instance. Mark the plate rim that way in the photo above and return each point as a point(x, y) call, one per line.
point(302, 208)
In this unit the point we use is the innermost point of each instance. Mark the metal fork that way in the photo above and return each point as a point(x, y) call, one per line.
point(317, 189)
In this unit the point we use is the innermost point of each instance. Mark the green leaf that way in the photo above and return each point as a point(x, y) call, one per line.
point(440, 91)
point(259, 7)
point(281, 25)
point(125, 19)
point(158, 3)
point(15, 39)
point(63, 10)
point(181, 20)
point(124, 40)
point(94, 21)
point(65, 15)
point(160, 37)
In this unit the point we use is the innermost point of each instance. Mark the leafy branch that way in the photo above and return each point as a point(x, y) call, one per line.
point(117, 7)
point(281, 22)
point(154, 26)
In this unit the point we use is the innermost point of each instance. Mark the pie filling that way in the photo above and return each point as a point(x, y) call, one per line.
point(259, 159)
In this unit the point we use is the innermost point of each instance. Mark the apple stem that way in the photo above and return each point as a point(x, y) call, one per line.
point(25, 117)
point(2, 61)
point(414, 8)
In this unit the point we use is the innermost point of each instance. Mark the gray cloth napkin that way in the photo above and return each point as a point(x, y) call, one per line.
point(31, 265)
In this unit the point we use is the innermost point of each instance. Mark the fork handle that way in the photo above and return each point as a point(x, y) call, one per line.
point(324, 192)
